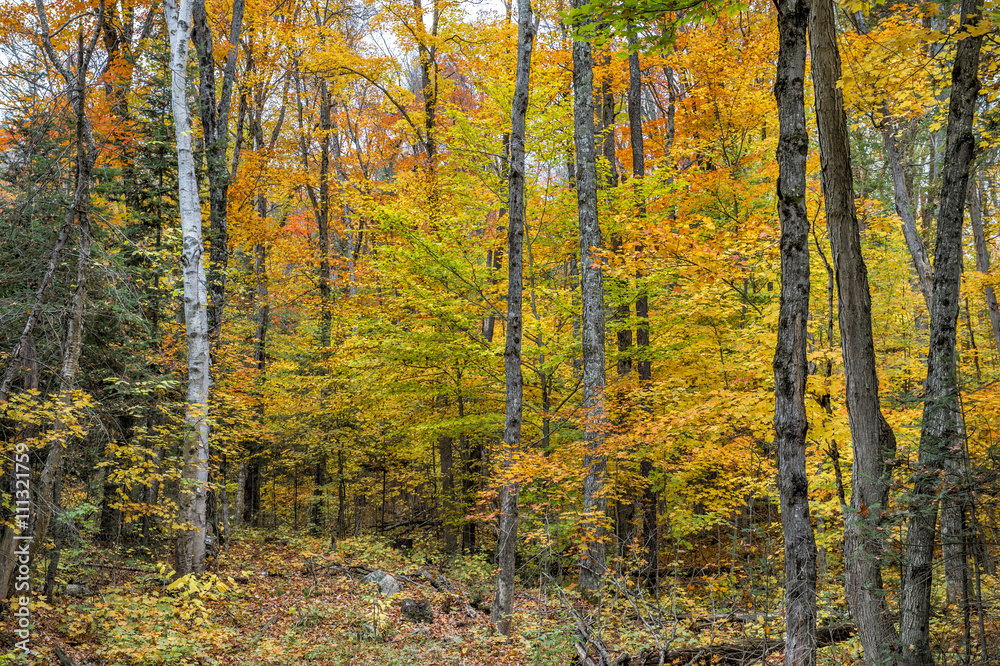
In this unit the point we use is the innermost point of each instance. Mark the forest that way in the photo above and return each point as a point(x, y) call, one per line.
point(607, 332)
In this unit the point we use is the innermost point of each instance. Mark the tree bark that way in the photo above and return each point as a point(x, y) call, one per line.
point(983, 263)
point(941, 436)
point(790, 365)
point(873, 440)
point(593, 562)
point(215, 128)
point(190, 552)
point(503, 601)
point(650, 542)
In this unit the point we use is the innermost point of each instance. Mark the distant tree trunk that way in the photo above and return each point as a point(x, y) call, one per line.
point(316, 517)
point(790, 364)
point(941, 436)
point(503, 601)
point(446, 455)
point(901, 191)
point(873, 440)
point(649, 499)
point(190, 553)
point(323, 218)
point(983, 262)
point(593, 563)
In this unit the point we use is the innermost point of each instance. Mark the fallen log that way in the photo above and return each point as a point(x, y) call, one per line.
point(735, 654)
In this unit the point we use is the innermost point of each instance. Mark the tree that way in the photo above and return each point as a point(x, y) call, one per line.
point(941, 436)
point(790, 365)
point(872, 438)
point(592, 565)
point(190, 551)
point(503, 604)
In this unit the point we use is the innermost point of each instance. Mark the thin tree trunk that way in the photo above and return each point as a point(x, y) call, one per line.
point(649, 499)
point(983, 262)
point(593, 562)
point(901, 192)
point(873, 440)
point(941, 436)
point(790, 364)
point(190, 552)
point(503, 601)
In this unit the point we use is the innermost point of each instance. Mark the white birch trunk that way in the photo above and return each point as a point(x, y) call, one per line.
point(190, 553)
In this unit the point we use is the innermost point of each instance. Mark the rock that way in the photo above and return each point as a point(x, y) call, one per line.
point(75, 590)
point(389, 586)
point(374, 577)
point(417, 611)
point(442, 584)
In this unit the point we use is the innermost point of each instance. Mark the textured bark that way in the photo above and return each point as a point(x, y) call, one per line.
point(190, 552)
point(983, 262)
point(649, 538)
point(593, 563)
point(873, 440)
point(214, 115)
point(323, 217)
point(790, 364)
point(503, 601)
point(941, 436)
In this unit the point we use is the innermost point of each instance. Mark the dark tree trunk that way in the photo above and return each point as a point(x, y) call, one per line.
point(650, 542)
point(941, 437)
point(790, 364)
point(873, 440)
point(446, 455)
point(503, 601)
point(214, 116)
point(593, 563)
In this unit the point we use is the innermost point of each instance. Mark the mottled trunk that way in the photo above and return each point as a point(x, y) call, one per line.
point(190, 552)
point(593, 563)
point(503, 601)
point(873, 440)
point(790, 365)
point(941, 436)
point(215, 129)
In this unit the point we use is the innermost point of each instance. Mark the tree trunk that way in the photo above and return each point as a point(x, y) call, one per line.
point(503, 601)
point(873, 440)
point(790, 365)
point(190, 553)
point(983, 262)
point(215, 128)
point(941, 436)
point(593, 563)
point(649, 500)
point(901, 192)
point(445, 452)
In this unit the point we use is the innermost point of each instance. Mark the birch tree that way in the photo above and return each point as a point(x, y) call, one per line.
point(190, 551)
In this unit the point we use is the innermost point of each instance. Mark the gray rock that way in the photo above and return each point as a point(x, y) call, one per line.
point(374, 577)
point(75, 590)
point(417, 611)
point(389, 586)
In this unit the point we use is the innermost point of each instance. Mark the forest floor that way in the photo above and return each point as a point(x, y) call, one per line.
point(273, 600)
